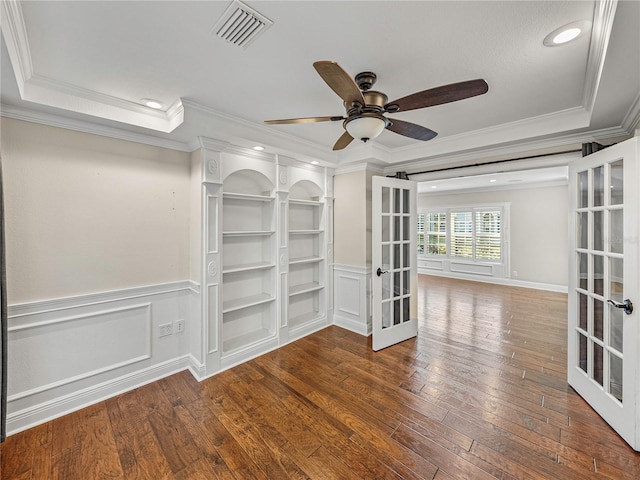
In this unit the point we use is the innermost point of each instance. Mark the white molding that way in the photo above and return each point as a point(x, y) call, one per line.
point(197, 368)
point(521, 148)
point(43, 412)
point(530, 163)
point(54, 93)
point(605, 11)
point(550, 287)
point(244, 133)
point(58, 121)
point(71, 318)
point(90, 299)
point(512, 132)
point(351, 325)
point(15, 36)
point(359, 167)
point(631, 120)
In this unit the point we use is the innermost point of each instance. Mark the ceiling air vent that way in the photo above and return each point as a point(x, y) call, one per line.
point(240, 24)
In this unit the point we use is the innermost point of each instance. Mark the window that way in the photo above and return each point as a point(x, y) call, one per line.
point(461, 234)
point(488, 236)
point(474, 233)
point(437, 233)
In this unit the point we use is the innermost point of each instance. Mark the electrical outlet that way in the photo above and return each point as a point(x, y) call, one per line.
point(166, 329)
point(515, 273)
point(178, 326)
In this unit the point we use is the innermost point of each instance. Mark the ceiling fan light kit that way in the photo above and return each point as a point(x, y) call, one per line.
point(365, 108)
point(365, 128)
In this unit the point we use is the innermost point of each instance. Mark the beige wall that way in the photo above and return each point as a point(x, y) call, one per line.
point(86, 213)
point(351, 217)
point(539, 230)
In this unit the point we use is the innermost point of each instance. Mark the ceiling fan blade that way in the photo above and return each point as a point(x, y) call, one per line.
point(439, 95)
point(339, 81)
point(411, 130)
point(303, 120)
point(343, 141)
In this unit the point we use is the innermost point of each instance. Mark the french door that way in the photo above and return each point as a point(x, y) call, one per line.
point(604, 284)
point(394, 252)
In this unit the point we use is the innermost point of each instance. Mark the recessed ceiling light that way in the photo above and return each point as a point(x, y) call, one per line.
point(315, 162)
point(433, 186)
point(566, 33)
point(493, 180)
point(258, 148)
point(151, 103)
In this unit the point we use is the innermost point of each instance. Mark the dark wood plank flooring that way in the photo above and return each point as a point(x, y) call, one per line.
point(480, 394)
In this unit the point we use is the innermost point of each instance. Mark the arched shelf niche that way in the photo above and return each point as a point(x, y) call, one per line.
point(248, 261)
point(306, 256)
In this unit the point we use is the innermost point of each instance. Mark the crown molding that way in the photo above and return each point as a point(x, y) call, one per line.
point(509, 150)
point(605, 11)
point(244, 133)
point(631, 120)
point(359, 167)
point(19, 113)
point(518, 131)
point(15, 36)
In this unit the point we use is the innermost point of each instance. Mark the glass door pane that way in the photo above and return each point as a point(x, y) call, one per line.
point(599, 272)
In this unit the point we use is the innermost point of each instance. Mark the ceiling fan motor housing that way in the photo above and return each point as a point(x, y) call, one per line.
point(372, 111)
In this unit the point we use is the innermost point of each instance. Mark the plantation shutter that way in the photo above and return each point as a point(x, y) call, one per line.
point(488, 234)
point(461, 234)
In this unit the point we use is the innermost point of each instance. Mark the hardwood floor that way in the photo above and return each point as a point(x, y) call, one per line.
point(480, 394)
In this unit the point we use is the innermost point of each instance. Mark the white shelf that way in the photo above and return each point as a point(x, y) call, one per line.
point(304, 319)
point(313, 203)
point(303, 260)
point(304, 232)
point(304, 288)
point(247, 196)
point(245, 302)
point(247, 267)
point(248, 233)
point(245, 340)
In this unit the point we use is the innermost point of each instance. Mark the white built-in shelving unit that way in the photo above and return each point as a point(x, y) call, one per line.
point(265, 248)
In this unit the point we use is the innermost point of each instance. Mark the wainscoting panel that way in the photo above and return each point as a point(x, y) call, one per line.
point(352, 303)
point(78, 347)
point(65, 354)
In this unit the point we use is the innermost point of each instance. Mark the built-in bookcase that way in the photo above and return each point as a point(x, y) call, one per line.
point(307, 256)
point(265, 246)
point(248, 261)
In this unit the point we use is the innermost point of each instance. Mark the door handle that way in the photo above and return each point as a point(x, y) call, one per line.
point(627, 306)
point(380, 271)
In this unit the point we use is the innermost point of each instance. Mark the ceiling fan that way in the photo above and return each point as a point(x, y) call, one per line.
point(365, 108)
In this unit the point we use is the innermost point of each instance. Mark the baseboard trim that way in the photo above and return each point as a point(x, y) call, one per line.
point(353, 326)
point(510, 282)
point(46, 411)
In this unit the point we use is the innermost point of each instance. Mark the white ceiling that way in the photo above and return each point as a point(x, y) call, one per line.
point(495, 181)
point(88, 64)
